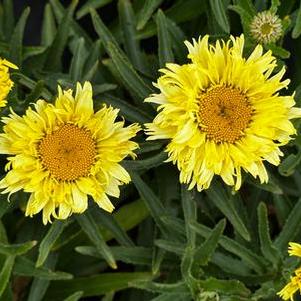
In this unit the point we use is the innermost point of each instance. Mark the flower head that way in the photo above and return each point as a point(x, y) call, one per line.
point(5, 81)
point(266, 27)
point(65, 152)
point(287, 293)
point(222, 113)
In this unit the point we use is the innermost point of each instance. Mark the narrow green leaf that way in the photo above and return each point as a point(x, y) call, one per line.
point(274, 6)
point(94, 56)
point(290, 229)
point(75, 29)
point(48, 26)
point(288, 165)
point(225, 204)
point(9, 18)
point(78, 60)
point(282, 207)
point(267, 248)
point(130, 112)
point(225, 286)
point(25, 267)
point(94, 285)
point(157, 258)
point(170, 288)
point(146, 164)
point(204, 253)
point(175, 224)
point(151, 200)
point(164, 40)
point(279, 51)
point(16, 40)
point(170, 246)
point(247, 5)
point(132, 81)
point(91, 73)
point(56, 49)
point(146, 12)
point(36, 93)
point(39, 286)
point(130, 77)
point(172, 297)
point(190, 214)
point(84, 10)
point(297, 28)
point(254, 261)
point(127, 24)
point(17, 249)
point(74, 297)
point(49, 240)
point(220, 13)
point(131, 255)
point(89, 226)
point(186, 270)
point(108, 221)
point(6, 272)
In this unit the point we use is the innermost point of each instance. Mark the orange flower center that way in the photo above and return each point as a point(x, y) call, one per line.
point(68, 153)
point(224, 113)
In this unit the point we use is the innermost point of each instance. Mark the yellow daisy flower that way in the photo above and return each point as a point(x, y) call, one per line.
point(65, 152)
point(287, 293)
point(5, 81)
point(222, 113)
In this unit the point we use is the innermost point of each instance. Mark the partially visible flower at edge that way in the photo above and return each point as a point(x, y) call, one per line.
point(5, 82)
point(65, 152)
point(288, 292)
point(266, 27)
point(222, 113)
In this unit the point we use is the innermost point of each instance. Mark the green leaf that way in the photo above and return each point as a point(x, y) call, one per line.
point(25, 267)
point(253, 261)
point(297, 28)
point(16, 40)
point(146, 12)
point(204, 253)
point(151, 200)
point(95, 285)
point(39, 286)
point(127, 24)
point(8, 18)
point(56, 49)
point(132, 81)
point(84, 10)
point(172, 297)
point(126, 71)
point(89, 226)
point(130, 112)
point(75, 29)
point(35, 93)
point(278, 51)
point(219, 11)
point(288, 165)
point(17, 249)
point(267, 248)
point(74, 297)
point(225, 286)
point(6, 272)
point(48, 26)
point(49, 240)
point(108, 221)
point(170, 246)
point(164, 40)
point(146, 164)
point(225, 204)
point(290, 229)
point(179, 288)
point(274, 6)
point(131, 255)
point(190, 214)
point(78, 60)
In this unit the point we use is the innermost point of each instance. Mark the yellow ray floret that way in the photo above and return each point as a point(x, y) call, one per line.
point(288, 292)
point(5, 81)
point(222, 113)
point(65, 152)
